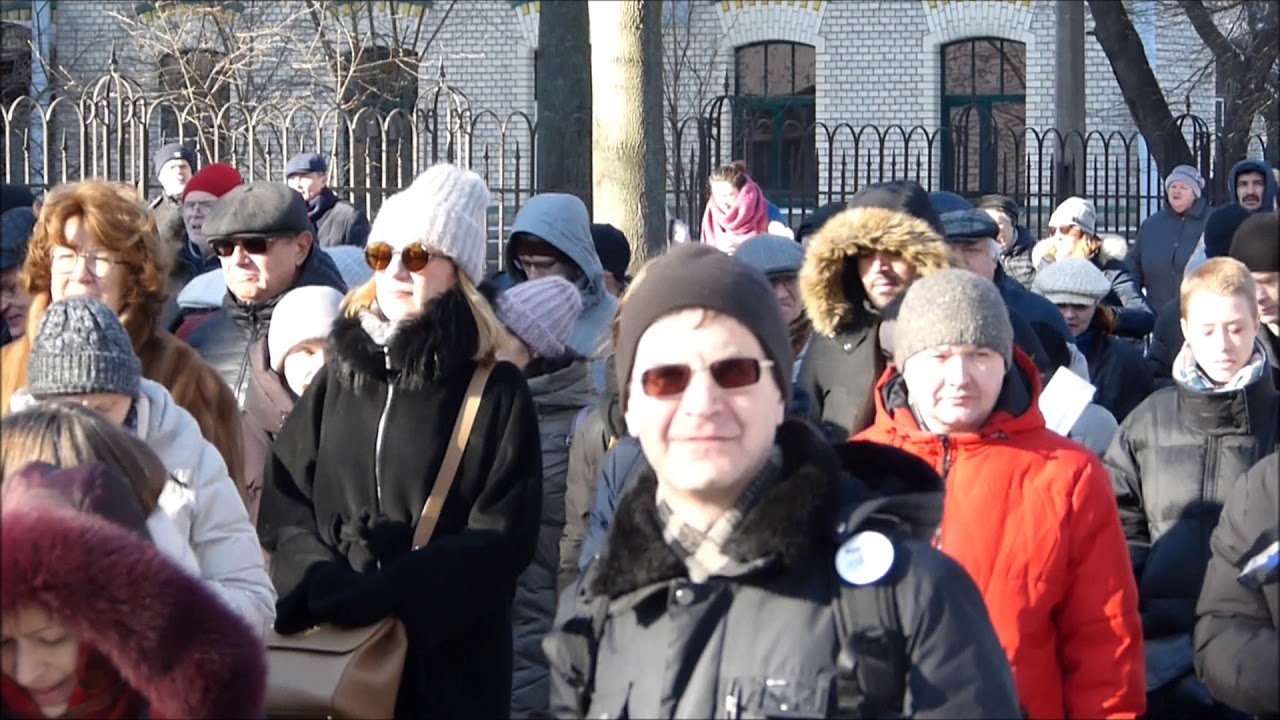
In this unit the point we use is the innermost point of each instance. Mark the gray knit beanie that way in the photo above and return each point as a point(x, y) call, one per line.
point(952, 307)
point(82, 348)
point(1187, 175)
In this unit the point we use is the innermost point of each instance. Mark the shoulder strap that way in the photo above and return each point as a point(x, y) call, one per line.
point(871, 672)
point(452, 456)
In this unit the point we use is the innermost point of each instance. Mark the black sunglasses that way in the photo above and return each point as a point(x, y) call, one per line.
point(415, 256)
point(253, 246)
point(730, 374)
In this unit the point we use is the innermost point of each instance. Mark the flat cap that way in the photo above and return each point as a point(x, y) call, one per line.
point(773, 255)
point(259, 209)
point(966, 226)
point(304, 163)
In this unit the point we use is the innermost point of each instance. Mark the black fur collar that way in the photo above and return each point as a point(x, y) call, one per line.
point(426, 349)
point(786, 521)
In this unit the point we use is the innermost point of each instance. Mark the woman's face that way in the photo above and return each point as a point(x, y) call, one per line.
point(300, 367)
point(402, 294)
point(81, 267)
point(723, 194)
point(41, 655)
point(1181, 197)
point(1077, 317)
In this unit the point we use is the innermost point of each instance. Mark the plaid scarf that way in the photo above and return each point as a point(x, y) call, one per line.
point(1187, 372)
point(703, 553)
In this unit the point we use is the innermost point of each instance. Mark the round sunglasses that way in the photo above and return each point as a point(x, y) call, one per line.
point(729, 374)
point(414, 256)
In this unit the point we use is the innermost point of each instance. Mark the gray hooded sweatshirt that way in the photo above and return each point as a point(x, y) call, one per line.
point(562, 221)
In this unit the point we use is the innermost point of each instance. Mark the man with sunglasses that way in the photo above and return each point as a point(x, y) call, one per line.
point(743, 546)
point(551, 235)
point(262, 237)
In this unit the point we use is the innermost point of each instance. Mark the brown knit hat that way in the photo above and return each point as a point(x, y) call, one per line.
point(952, 307)
point(700, 276)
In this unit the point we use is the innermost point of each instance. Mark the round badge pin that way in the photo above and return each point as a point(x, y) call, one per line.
point(864, 558)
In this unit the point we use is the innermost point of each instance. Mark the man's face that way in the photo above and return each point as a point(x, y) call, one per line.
point(954, 387)
point(1221, 330)
point(174, 175)
point(1268, 296)
point(13, 301)
point(611, 285)
point(308, 184)
point(707, 441)
point(112, 406)
point(979, 257)
point(1249, 189)
point(195, 209)
point(884, 276)
point(1181, 197)
point(254, 277)
point(1007, 232)
point(539, 262)
point(787, 290)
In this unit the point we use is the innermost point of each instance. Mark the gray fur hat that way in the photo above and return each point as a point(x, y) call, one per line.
point(952, 307)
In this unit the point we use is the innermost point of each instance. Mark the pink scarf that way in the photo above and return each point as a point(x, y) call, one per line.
point(748, 217)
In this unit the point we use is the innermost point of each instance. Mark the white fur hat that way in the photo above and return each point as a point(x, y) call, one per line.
point(444, 209)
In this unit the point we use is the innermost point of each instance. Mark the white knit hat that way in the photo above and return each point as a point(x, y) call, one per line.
point(1076, 211)
point(1072, 281)
point(306, 313)
point(443, 209)
point(541, 313)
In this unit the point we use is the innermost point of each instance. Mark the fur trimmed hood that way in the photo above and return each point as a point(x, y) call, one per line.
point(834, 299)
point(814, 503)
point(168, 636)
point(424, 350)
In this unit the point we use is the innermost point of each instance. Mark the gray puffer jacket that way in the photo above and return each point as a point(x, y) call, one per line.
point(760, 641)
point(558, 395)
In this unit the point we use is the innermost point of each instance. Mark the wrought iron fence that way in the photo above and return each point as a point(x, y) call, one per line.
point(112, 128)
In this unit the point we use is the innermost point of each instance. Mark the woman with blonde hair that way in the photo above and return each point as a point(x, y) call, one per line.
point(67, 434)
point(95, 239)
point(353, 465)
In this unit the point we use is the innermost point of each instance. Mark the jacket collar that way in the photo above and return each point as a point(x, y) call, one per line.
point(1244, 411)
point(778, 530)
point(268, 401)
point(441, 341)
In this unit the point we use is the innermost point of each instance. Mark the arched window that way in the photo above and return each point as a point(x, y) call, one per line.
point(984, 116)
point(773, 120)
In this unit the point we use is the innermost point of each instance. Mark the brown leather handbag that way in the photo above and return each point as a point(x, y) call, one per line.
point(334, 672)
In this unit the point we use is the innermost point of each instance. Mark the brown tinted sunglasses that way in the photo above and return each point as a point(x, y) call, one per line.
point(415, 256)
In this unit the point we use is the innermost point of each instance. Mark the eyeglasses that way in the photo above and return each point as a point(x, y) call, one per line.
point(536, 263)
point(729, 374)
point(252, 246)
point(1068, 230)
point(201, 205)
point(414, 256)
point(65, 262)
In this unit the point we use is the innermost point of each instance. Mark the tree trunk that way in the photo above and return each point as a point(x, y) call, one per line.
point(563, 95)
point(1138, 85)
point(628, 152)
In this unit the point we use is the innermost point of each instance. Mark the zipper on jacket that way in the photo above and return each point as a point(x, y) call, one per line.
point(254, 331)
point(377, 445)
point(946, 470)
point(1209, 485)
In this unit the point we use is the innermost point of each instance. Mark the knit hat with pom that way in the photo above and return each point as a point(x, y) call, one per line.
point(444, 209)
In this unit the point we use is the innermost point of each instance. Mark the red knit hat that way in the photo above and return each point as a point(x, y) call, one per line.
point(217, 179)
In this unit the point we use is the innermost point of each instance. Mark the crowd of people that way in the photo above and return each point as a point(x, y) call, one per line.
point(902, 460)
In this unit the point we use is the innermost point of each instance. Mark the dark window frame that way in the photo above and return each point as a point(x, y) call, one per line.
point(782, 125)
point(988, 168)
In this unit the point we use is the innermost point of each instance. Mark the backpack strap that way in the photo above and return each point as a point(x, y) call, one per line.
point(871, 670)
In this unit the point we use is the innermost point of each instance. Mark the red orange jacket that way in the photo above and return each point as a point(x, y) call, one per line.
point(1031, 516)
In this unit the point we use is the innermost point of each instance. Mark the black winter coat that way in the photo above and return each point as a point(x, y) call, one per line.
point(764, 636)
point(224, 339)
point(1173, 463)
point(1238, 630)
point(345, 485)
point(1120, 374)
point(338, 222)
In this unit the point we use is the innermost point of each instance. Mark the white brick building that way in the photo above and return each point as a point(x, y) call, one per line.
point(817, 84)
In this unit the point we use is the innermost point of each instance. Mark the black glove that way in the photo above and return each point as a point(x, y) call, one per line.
point(346, 598)
point(386, 539)
point(292, 614)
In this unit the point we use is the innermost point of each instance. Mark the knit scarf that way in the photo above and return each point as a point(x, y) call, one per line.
point(320, 204)
point(1187, 372)
point(748, 217)
point(703, 553)
point(379, 329)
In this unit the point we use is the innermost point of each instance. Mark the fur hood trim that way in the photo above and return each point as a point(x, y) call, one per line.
point(841, 240)
point(169, 637)
point(425, 349)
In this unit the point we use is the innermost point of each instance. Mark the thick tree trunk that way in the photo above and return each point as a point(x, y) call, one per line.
point(1138, 84)
point(563, 96)
point(628, 152)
